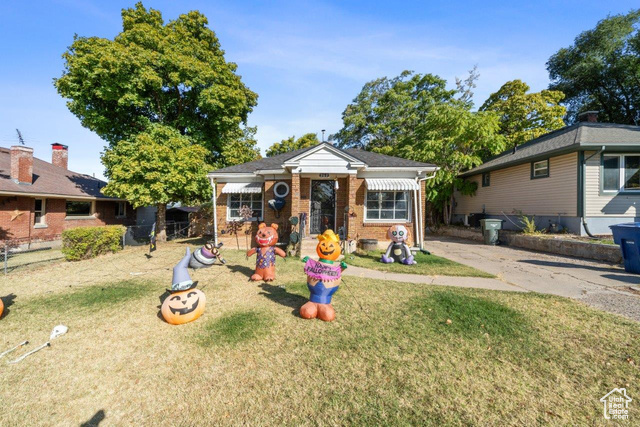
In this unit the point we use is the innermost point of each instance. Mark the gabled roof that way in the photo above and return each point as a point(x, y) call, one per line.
point(49, 180)
point(370, 159)
point(579, 136)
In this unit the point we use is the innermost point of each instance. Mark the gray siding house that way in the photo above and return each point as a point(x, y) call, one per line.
point(584, 177)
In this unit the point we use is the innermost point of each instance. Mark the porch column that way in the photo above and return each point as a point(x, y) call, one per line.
point(295, 194)
point(352, 222)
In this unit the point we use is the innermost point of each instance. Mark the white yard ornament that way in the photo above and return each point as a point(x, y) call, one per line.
point(57, 331)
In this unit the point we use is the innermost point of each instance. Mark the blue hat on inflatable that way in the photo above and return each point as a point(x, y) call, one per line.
point(181, 279)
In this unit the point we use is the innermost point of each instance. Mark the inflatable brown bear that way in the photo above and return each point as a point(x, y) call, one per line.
point(266, 252)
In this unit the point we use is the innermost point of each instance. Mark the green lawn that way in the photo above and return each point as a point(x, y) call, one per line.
point(397, 354)
point(428, 265)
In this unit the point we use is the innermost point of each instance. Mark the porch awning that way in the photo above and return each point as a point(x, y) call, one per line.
point(242, 187)
point(391, 184)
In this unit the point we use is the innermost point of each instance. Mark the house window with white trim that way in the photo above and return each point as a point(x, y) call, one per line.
point(236, 201)
point(620, 172)
point(121, 209)
point(39, 212)
point(387, 206)
point(540, 169)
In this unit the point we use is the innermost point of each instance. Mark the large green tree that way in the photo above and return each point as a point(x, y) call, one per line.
point(601, 70)
point(454, 138)
point(388, 110)
point(524, 116)
point(243, 149)
point(291, 143)
point(155, 167)
point(174, 74)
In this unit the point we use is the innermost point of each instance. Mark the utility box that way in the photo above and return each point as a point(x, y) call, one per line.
point(490, 229)
point(627, 235)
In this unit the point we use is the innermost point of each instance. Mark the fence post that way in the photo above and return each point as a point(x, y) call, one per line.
point(5, 259)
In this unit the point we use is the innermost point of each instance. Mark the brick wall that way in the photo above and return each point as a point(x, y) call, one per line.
point(22, 229)
point(351, 193)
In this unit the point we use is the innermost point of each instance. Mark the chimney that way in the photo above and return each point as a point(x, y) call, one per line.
point(59, 155)
point(22, 164)
point(588, 116)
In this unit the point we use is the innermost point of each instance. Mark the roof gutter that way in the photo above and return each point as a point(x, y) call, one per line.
point(60, 196)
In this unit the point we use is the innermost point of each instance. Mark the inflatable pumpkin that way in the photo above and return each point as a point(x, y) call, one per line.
point(323, 278)
point(1, 308)
point(266, 252)
point(398, 250)
point(183, 307)
point(185, 303)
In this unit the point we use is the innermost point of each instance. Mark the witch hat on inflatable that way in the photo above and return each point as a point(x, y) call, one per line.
point(181, 279)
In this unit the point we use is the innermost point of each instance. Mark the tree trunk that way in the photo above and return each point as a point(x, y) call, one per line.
point(161, 223)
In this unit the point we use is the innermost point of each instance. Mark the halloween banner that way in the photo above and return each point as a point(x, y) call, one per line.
point(322, 271)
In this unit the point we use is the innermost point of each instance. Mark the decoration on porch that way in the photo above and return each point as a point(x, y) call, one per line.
point(266, 238)
point(398, 250)
point(206, 256)
point(323, 278)
point(277, 204)
point(185, 303)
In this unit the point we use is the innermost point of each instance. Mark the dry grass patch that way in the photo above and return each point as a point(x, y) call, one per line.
point(428, 265)
point(390, 357)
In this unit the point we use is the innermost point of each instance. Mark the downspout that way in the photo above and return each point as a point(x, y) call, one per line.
point(582, 190)
point(214, 211)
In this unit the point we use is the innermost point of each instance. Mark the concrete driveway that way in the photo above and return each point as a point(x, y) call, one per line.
point(604, 286)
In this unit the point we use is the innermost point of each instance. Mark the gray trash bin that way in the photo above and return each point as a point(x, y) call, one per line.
point(490, 229)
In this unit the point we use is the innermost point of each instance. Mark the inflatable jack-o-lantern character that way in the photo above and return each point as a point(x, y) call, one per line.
point(185, 303)
point(398, 250)
point(323, 278)
point(266, 252)
point(206, 256)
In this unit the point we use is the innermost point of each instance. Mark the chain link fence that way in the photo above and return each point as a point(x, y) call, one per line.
point(138, 235)
point(12, 258)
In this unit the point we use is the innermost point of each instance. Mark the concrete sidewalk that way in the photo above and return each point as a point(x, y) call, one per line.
point(605, 286)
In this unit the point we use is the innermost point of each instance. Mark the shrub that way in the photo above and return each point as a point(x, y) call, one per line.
point(529, 224)
point(88, 242)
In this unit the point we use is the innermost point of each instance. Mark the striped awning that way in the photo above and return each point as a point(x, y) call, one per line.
point(242, 187)
point(391, 184)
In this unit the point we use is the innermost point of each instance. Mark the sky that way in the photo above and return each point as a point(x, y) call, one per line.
point(306, 59)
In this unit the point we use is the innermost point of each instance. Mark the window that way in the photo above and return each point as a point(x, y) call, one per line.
point(387, 205)
point(486, 179)
point(611, 173)
point(39, 212)
point(238, 200)
point(77, 208)
point(121, 209)
point(620, 172)
point(540, 169)
point(632, 172)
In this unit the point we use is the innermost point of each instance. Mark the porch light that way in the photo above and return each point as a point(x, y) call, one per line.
point(335, 185)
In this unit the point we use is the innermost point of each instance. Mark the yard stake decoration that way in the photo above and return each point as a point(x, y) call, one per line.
point(185, 303)
point(398, 250)
point(266, 252)
point(323, 278)
point(55, 333)
point(206, 256)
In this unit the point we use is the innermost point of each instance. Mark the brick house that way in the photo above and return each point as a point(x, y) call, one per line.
point(357, 192)
point(38, 199)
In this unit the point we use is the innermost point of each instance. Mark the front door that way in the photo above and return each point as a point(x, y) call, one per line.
point(323, 207)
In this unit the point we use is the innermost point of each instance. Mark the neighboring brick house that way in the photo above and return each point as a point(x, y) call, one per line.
point(360, 192)
point(38, 199)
